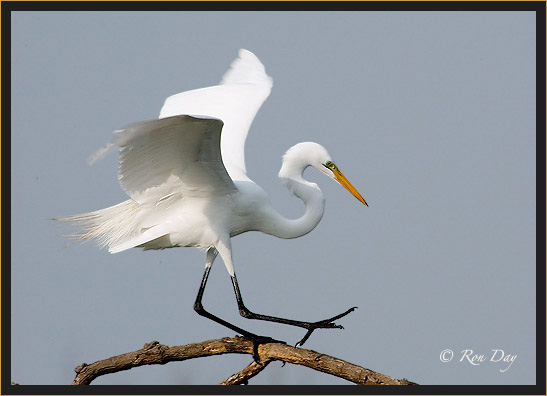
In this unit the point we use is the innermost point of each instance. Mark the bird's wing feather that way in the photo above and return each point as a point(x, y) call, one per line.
point(244, 87)
point(163, 160)
point(147, 236)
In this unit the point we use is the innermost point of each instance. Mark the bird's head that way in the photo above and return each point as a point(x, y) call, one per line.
point(298, 157)
point(328, 168)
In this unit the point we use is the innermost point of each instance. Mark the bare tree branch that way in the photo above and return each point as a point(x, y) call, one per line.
point(244, 375)
point(156, 353)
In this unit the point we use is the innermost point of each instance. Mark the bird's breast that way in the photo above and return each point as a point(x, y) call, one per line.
point(248, 208)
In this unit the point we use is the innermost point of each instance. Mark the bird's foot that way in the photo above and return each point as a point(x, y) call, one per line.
point(324, 324)
point(258, 340)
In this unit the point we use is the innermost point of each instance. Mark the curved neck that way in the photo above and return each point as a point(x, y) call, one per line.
point(309, 193)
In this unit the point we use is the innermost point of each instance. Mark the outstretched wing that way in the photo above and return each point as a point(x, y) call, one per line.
point(171, 158)
point(244, 87)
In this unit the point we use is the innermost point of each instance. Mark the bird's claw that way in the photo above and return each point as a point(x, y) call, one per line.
point(324, 324)
point(305, 338)
point(258, 340)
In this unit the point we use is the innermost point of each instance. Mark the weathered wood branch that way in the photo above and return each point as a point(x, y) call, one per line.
point(156, 353)
point(245, 374)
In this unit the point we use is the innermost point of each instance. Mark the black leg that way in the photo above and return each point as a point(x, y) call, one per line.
point(198, 307)
point(310, 326)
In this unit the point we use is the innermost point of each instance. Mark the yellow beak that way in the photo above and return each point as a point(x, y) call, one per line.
point(340, 178)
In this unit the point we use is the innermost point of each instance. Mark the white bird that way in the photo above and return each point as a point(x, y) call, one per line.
point(186, 178)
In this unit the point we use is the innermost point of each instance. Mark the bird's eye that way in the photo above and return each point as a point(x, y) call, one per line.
point(330, 165)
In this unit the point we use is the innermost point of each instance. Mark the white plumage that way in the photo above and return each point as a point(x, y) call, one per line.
point(242, 90)
point(186, 178)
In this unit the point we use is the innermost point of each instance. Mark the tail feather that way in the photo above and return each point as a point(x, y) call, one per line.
point(109, 227)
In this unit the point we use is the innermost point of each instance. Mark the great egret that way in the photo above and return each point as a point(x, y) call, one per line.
point(188, 184)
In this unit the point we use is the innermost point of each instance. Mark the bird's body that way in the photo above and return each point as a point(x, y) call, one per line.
point(186, 177)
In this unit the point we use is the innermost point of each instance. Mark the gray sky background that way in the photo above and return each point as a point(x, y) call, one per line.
point(430, 115)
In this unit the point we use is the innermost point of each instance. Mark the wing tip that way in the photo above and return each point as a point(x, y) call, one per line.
point(245, 53)
point(246, 69)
